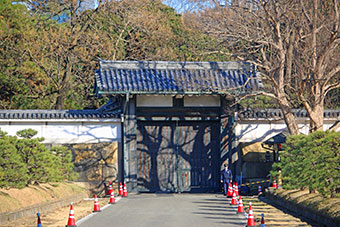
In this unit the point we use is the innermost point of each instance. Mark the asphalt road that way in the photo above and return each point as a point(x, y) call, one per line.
point(168, 210)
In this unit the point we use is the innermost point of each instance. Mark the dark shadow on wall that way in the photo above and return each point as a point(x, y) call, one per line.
point(96, 164)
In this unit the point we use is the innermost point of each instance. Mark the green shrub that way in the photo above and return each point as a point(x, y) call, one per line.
point(311, 161)
point(27, 161)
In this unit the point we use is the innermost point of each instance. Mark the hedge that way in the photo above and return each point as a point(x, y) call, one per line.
point(311, 161)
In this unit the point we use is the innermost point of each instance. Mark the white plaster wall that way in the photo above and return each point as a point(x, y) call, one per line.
point(261, 131)
point(202, 101)
point(154, 101)
point(63, 132)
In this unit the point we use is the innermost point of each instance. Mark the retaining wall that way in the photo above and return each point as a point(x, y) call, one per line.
point(42, 208)
point(306, 212)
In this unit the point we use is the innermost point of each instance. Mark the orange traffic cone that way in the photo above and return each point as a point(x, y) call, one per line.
point(233, 200)
point(125, 194)
point(236, 189)
point(120, 192)
point(230, 190)
point(259, 191)
point(110, 189)
point(71, 222)
point(251, 221)
point(96, 204)
point(39, 221)
point(240, 208)
point(274, 184)
point(112, 198)
point(262, 221)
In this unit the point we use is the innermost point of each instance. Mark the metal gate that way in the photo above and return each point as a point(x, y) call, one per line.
point(178, 156)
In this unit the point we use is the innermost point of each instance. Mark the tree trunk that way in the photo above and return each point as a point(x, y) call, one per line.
point(62, 93)
point(290, 121)
point(288, 116)
point(316, 118)
point(316, 107)
point(60, 100)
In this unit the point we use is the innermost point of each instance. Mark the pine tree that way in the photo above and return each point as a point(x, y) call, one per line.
point(66, 165)
point(12, 168)
point(27, 161)
point(42, 165)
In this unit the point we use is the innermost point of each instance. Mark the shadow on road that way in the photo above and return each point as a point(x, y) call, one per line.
point(219, 210)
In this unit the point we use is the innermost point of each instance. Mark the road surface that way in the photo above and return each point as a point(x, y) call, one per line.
point(168, 210)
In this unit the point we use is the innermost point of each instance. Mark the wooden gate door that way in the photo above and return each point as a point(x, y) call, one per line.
point(156, 157)
point(178, 156)
point(198, 145)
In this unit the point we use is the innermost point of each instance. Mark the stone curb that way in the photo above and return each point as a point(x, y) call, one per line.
point(303, 211)
point(42, 208)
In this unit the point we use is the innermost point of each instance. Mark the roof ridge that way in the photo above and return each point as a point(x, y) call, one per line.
point(57, 114)
point(190, 65)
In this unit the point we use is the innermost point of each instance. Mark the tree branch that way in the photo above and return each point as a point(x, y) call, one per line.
point(330, 87)
point(336, 125)
point(254, 95)
point(334, 71)
point(304, 12)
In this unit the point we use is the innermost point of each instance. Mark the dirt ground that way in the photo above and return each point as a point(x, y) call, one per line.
point(272, 216)
point(59, 218)
point(15, 199)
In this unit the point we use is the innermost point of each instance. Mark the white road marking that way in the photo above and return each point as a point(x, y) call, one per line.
point(90, 215)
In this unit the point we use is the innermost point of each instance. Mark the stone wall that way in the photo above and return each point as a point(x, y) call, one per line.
point(255, 152)
point(96, 163)
point(254, 163)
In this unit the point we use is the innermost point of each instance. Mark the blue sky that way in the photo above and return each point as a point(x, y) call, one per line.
point(185, 5)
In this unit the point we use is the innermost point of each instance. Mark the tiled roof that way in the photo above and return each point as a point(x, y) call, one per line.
point(160, 77)
point(277, 113)
point(56, 114)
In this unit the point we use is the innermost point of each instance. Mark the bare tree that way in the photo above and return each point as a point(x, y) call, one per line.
point(317, 49)
point(293, 43)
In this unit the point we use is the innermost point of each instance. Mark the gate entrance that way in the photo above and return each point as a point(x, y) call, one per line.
point(178, 156)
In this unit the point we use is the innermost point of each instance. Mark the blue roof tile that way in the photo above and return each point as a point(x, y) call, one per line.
point(277, 113)
point(57, 114)
point(160, 77)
